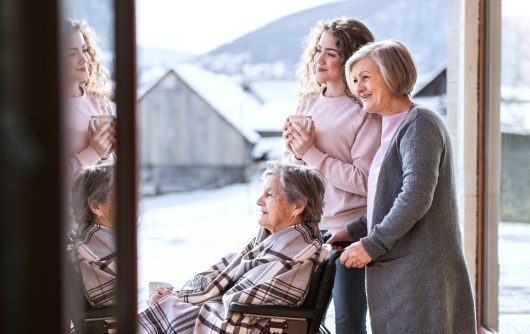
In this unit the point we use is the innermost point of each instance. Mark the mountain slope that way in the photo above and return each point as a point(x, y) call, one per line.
point(421, 25)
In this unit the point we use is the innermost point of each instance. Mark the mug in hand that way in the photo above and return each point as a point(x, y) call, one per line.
point(303, 121)
point(153, 285)
point(99, 120)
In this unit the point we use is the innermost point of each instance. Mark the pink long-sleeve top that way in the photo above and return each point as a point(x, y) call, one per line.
point(389, 126)
point(345, 143)
point(78, 112)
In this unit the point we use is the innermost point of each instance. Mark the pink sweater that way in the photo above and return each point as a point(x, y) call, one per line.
point(78, 111)
point(345, 144)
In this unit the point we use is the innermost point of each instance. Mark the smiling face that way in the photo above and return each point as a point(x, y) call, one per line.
point(328, 60)
point(77, 58)
point(370, 87)
point(276, 211)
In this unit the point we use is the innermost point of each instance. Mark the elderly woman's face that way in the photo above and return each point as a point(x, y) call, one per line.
point(370, 87)
point(105, 212)
point(276, 212)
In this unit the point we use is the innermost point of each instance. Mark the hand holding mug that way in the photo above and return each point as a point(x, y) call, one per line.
point(101, 135)
point(157, 290)
point(301, 137)
point(97, 121)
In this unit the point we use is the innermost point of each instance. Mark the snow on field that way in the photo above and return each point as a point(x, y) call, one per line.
point(182, 234)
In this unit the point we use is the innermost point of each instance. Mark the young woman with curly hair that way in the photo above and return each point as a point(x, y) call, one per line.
point(341, 143)
point(86, 85)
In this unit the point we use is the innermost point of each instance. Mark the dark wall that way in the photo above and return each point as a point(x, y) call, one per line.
point(30, 172)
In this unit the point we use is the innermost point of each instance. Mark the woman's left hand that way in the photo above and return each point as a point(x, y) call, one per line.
point(158, 294)
point(355, 256)
point(301, 140)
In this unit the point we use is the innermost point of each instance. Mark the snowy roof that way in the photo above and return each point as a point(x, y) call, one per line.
point(437, 103)
point(425, 78)
point(515, 117)
point(147, 79)
point(220, 91)
point(275, 90)
point(223, 94)
point(269, 148)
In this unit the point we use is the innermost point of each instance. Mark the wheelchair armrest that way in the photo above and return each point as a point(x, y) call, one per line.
point(103, 312)
point(272, 311)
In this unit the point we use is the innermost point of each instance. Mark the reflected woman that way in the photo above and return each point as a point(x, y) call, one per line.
point(87, 94)
point(92, 247)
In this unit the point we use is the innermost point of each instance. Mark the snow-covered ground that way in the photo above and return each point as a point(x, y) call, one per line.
point(182, 234)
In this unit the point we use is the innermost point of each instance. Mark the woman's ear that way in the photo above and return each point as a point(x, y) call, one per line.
point(299, 207)
point(95, 207)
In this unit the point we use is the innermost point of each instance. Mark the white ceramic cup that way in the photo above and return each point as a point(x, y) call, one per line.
point(99, 120)
point(303, 121)
point(154, 285)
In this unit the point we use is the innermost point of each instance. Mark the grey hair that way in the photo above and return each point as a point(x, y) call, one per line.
point(394, 61)
point(300, 183)
point(92, 183)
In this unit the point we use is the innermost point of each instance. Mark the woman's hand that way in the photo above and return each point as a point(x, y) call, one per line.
point(103, 140)
point(355, 256)
point(338, 235)
point(299, 140)
point(286, 135)
point(156, 296)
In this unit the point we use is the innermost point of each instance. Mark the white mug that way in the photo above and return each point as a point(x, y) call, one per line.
point(99, 120)
point(303, 121)
point(154, 285)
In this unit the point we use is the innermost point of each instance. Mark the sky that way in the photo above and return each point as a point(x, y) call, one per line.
point(199, 26)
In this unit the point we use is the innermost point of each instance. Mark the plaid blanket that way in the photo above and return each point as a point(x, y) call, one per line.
point(270, 270)
point(93, 251)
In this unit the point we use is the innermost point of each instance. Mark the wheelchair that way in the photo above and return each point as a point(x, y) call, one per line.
point(308, 318)
point(85, 318)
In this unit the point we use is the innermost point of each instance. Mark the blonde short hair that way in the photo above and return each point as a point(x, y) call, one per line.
point(394, 61)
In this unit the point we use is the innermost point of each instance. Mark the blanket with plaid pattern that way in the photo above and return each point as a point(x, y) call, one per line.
point(271, 270)
point(93, 251)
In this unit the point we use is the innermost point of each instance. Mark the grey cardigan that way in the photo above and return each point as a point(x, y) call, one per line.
point(418, 282)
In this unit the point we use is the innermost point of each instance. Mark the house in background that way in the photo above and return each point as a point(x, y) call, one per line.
point(515, 159)
point(193, 131)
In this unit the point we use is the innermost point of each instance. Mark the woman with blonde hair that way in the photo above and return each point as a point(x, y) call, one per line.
point(418, 281)
point(341, 143)
point(86, 85)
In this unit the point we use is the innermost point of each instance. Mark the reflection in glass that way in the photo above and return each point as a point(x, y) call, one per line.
point(89, 125)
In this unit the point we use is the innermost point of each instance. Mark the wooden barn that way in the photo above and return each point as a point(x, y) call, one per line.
point(192, 130)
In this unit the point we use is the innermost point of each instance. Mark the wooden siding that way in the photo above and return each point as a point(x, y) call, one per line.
point(178, 128)
point(185, 144)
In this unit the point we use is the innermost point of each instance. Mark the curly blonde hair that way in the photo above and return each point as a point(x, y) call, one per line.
point(98, 79)
point(350, 35)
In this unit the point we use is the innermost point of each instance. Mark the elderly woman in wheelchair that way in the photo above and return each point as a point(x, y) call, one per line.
point(92, 246)
point(273, 269)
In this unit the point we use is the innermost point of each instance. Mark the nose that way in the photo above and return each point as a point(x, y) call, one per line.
point(83, 59)
point(259, 202)
point(359, 87)
point(318, 58)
